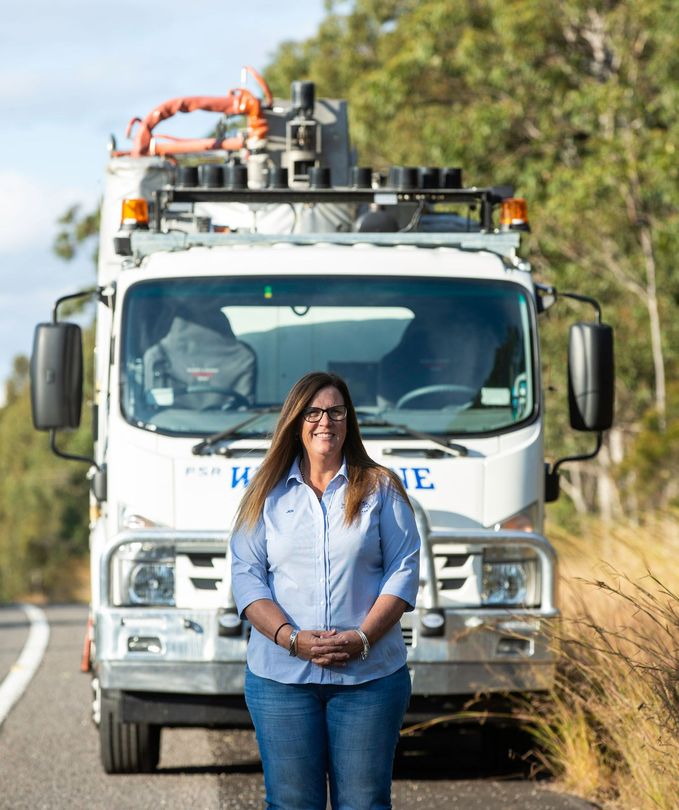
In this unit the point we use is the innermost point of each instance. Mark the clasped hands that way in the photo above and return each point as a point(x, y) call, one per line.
point(328, 647)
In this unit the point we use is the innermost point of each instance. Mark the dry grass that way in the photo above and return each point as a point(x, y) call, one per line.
point(610, 731)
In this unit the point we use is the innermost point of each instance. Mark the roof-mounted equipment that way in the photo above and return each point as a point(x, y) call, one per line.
point(236, 102)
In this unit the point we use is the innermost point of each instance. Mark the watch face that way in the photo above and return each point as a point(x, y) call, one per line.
point(292, 647)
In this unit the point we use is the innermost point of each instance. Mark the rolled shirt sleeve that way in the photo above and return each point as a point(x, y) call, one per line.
point(400, 548)
point(249, 567)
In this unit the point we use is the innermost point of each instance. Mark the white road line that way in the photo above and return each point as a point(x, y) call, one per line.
point(27, 663)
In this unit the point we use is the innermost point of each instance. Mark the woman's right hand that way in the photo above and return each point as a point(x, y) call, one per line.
point(325, 648)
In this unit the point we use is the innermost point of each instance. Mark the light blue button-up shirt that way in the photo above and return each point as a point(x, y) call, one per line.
point(324, 574)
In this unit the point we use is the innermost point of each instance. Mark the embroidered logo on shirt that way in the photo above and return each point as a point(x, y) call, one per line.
point(287, 511)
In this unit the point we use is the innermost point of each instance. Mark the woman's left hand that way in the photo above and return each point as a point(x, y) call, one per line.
point(331, 647)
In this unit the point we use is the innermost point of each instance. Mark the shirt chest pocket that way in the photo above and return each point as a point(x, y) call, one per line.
point(290, 537)
point(360, 540)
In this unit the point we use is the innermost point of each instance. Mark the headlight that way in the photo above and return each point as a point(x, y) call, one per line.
point(129, 519)
point(152, 584)
point(143, 574)
point(524, 521)
point(511, 577)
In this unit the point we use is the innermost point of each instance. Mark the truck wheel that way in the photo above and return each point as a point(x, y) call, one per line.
point(127, 747)
point(505, 749)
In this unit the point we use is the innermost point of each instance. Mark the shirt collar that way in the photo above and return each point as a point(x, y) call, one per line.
point(295, 472)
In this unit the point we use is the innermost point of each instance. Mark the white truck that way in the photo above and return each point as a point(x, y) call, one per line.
point(228, 268)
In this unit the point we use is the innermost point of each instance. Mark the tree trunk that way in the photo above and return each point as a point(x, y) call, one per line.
point(654, 321)
point(572, 486)
point(608, 496)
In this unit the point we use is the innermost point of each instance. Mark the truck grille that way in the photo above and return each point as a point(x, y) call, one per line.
point(456, 576)
point(201, 559)
point(203, 584)
point(450, 584)
point(199, 578)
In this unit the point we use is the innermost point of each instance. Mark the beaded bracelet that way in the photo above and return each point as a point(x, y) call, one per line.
point(275, 635)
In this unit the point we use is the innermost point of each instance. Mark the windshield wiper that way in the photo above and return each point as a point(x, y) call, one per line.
point(451, 448)
point(204, 445)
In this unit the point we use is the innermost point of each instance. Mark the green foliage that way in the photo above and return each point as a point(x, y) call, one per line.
point(651, 465)
point(75, 229)
point(44, 499)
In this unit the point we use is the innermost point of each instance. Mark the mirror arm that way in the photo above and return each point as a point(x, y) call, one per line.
point(583, 457)
point(552, 486)
point(69, 456)
point(60, 301)
point(587, 300)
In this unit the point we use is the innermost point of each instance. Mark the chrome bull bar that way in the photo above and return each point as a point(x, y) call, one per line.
point(160, 537)
point(478, 538)
point(483, 538)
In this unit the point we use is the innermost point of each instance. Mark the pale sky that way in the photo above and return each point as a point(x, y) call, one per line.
point(72, 73)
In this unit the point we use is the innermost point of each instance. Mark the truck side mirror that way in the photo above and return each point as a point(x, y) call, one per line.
point(590, 376)
point(56, 376)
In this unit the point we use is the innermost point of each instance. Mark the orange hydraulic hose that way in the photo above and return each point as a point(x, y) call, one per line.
point(236, 102)
point(182, 146)
point(261, 81)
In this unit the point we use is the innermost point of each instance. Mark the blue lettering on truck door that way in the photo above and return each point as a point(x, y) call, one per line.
point(415, 477)
point(240, 476)
point(411, 477)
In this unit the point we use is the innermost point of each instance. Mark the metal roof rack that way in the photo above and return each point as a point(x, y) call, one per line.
point(144, 243)
point(486, 198)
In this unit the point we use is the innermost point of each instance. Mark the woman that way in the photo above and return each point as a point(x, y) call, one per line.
point(325, 556)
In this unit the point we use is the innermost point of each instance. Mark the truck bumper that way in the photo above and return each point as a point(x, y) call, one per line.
point(480, 651)
point(477, 651)
point(204, 678)
point(475, 678)
point(168, 650)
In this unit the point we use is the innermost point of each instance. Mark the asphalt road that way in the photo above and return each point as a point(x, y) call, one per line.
point(49, 751)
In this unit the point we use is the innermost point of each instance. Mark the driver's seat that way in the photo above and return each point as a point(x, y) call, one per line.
point(197, 366)
point(421, 359)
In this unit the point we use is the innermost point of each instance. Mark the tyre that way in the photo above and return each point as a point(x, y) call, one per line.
point(505, 749)
point(127, 747)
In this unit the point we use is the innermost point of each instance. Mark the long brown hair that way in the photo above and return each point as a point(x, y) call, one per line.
point(364, 473)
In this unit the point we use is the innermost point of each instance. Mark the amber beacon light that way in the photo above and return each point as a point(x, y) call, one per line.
point(135, 213)
point(514, 215)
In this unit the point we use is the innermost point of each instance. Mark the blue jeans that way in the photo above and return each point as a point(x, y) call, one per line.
point(307, 732)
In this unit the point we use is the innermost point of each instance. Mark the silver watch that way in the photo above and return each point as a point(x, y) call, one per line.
point(292, 644)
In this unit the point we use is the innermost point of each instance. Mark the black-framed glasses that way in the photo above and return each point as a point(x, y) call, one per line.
point(338, 413)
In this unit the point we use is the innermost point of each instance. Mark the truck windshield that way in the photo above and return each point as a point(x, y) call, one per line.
point(445, 356)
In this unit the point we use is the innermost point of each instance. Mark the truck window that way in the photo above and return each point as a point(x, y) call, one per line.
point(447, 356)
